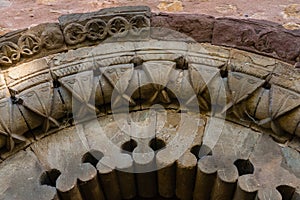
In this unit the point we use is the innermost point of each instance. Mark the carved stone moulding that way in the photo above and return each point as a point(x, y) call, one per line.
point(32, 43)
point(121, 115)
point(78, 30)
point(90, 28)
point(96, 160)
point(246, 87)
point(73, 31)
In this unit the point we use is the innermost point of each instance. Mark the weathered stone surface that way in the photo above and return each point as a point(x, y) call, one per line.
point(107, 136)
point(197, 27)
point(12, 122)
point(107, 12)
point(119, 83)
point(10, 50)
point(185, 176)
point(183, 132)
point(46, 39)
point(104, 135)
point(36, 42)
point(158, 50)
point(132, 71)
point(55, 151)
point(4, 92)
point(79, 93)
point(285, 75)
point(282, 102)
point(33, 93)
point(291, 160)
point(13, 36)
point(240, 89)
point(295, 143)
point(90, 28)
point(65, 153)
point(258, 36)
point(250, 63)
point(43, 39)
point(32, 73)
point(147, 153)
point(20, 178)
point(277, 164)
point(217, 173)
point(206, 82)
point(13, 128)
point(265, 158)
point(154, 80)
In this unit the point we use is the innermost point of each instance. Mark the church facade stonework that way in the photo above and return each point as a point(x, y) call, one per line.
point(124, 103)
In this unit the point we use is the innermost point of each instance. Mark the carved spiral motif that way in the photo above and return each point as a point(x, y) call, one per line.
point(29, 44)
point(74, 33)
point(96, 29)
point(9, 53)
point(119, 26)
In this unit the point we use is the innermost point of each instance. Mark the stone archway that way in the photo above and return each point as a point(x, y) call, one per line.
point(63, 87)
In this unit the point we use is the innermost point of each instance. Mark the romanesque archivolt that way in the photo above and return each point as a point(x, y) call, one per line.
point(244, 95)
point(218, 84)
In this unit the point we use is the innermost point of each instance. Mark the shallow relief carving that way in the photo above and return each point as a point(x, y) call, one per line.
point(249, 97)
point(74, 31)
point(91, 28)
point(12, 124)
point(273, 104)
point(78, 30)
point(259, 36)
point(33, 101)
point(28, 44)
point(43, 92)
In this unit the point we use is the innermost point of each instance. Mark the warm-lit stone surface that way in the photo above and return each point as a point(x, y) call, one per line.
point(238, 155)
point(125, 103)
point(20, 14)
